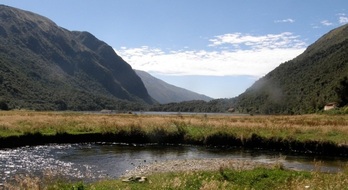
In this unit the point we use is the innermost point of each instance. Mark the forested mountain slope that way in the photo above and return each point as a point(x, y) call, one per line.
point(305, 84)
point(46, 67)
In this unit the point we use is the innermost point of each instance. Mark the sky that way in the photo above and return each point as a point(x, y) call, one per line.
point(218, 48)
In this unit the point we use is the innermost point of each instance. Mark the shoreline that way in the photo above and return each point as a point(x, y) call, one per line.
point(256, 142)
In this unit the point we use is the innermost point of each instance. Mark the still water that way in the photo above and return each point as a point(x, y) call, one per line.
point(99, 160)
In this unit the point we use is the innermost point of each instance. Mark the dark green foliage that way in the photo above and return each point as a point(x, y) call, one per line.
point(342, 91)
point(222, 139)
point(260, 178)
point(217, 105)
point(3, 105)
point(306, 83)
point(46, 67)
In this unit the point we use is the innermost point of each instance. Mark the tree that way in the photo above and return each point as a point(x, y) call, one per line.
point(342, 91)
point(61, 105)
point(3, 105)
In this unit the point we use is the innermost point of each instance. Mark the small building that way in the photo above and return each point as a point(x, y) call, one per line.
point(104, 111)
point(231, 110)
point(330, 106)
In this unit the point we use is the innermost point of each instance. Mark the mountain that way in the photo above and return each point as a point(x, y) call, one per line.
point(44, 66)
point(305, 84)
point(164, 93)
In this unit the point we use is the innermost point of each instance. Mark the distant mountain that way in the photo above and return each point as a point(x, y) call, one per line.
point(167, 93)
point(44, 66)
point(305, 84)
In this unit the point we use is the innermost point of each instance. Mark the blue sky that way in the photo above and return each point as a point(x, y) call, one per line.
point(213, 47)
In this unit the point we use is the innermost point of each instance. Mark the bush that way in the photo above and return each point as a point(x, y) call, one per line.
point(3, 106)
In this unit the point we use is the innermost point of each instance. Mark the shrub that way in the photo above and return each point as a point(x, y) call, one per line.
point(3, 105)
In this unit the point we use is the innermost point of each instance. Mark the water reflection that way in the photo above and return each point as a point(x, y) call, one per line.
point(95, 161)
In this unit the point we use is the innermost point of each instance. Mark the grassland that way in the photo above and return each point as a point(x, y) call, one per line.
point(319, 133)
point(224, 178)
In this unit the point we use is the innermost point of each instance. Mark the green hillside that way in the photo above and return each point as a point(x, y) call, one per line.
point(305, 84)
point(46, 67)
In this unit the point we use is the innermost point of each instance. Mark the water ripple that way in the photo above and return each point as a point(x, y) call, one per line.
point(94, 161)
point(39, 160)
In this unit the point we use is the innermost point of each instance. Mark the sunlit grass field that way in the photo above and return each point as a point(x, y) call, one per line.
point(332, 128)
point(224, 178)
point(259, 178)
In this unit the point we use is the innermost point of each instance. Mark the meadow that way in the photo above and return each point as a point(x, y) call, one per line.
point(224, 178)
point(311, 134)
point(322, 134)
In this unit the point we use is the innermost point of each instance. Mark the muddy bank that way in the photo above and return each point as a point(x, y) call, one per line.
point(214, 140)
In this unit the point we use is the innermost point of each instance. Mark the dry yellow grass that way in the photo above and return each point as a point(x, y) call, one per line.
point(302, 127)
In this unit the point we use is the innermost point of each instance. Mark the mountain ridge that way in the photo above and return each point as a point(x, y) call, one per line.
point(167, 93)
point(42, 64)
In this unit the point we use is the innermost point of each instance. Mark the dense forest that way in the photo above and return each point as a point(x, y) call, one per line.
point(217, 105)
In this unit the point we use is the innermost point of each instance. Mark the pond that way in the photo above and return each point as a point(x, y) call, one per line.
point(106, 160)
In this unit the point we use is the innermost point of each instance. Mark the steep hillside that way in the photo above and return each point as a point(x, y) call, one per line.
point(164, 93)
point(306, 83)
point(44, 66)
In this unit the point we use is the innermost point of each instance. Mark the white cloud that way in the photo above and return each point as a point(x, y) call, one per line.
point(227, 55)
point(270, 41)
point(289, 20)
point(326, 23)
point(314, 26)
point(343, 19)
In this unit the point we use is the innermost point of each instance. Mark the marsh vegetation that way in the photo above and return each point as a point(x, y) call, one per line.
point(322, 134)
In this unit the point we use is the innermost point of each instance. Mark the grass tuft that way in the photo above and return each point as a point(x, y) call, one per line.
point(224, 178)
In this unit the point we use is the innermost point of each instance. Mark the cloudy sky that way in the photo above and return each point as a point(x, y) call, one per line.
point(213, 47)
